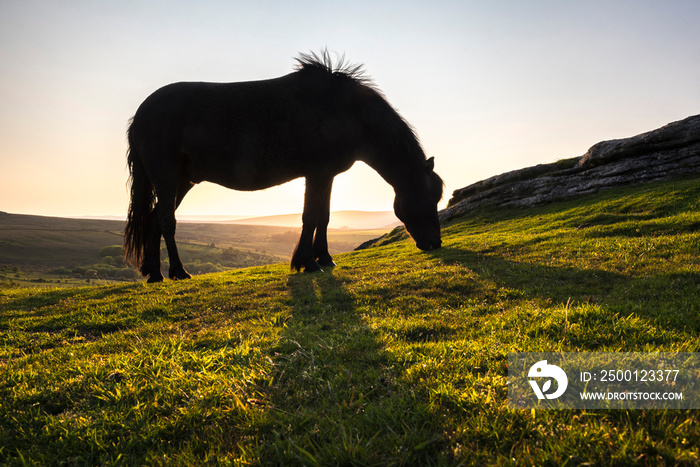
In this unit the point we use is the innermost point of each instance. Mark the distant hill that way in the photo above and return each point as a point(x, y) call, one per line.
point(54, 241)
point(40, 244)
point(355, 220)
point(358, 220)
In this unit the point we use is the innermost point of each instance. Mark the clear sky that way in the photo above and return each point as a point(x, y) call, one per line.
point(489, 86)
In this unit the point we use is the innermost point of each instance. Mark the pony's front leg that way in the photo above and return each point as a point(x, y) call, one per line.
point(303, 258)
point(323, 257)
point(316, 202)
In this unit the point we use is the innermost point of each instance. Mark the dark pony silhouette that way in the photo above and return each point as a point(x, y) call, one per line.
point(312, 123)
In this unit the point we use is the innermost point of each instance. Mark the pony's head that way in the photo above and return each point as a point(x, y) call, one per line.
point(416, 207)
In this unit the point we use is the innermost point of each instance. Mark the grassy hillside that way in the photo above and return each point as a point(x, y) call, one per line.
point(396, 357)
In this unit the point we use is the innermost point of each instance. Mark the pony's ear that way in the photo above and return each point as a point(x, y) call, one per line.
point(430, 164)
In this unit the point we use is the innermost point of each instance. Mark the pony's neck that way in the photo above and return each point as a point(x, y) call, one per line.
point(399, 172)
point(393, 150)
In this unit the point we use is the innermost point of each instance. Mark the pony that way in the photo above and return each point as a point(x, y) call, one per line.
point(315, 122)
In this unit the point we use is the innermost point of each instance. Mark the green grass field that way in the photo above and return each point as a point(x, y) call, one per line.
point(395, 357)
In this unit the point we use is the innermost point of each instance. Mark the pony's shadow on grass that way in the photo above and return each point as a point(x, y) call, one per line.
point(614, 292)
point(319, 293)
point(330, 366)
point(324, 327)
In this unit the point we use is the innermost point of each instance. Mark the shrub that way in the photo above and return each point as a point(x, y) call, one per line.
point(60, 271)
point(127, 273)
point(112, 250)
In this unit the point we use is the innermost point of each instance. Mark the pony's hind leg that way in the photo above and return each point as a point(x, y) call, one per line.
point(163, 224)
point(151, 260)
point(320, 247)
point(167, 222)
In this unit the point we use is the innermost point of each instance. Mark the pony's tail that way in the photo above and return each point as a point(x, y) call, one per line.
point(138, 221)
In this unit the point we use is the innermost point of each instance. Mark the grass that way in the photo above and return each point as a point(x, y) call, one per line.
point(395, 357)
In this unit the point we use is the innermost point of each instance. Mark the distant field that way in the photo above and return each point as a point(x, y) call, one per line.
point(36, 250)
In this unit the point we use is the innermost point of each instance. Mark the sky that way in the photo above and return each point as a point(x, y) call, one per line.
point(488, 86)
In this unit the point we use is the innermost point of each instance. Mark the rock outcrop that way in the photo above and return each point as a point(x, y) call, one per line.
point(670, 151)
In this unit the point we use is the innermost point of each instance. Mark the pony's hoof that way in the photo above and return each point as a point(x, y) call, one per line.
point(179, 274)
point(155, 277)
point(312, 266)
point(308, 265)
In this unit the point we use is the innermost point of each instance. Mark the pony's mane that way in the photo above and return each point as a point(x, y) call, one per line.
point(324, 62)
point(395, 130)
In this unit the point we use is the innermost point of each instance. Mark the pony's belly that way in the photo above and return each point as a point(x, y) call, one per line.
point(245, 180)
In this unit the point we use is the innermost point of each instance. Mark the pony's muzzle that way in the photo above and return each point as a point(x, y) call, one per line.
point(430, 245)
